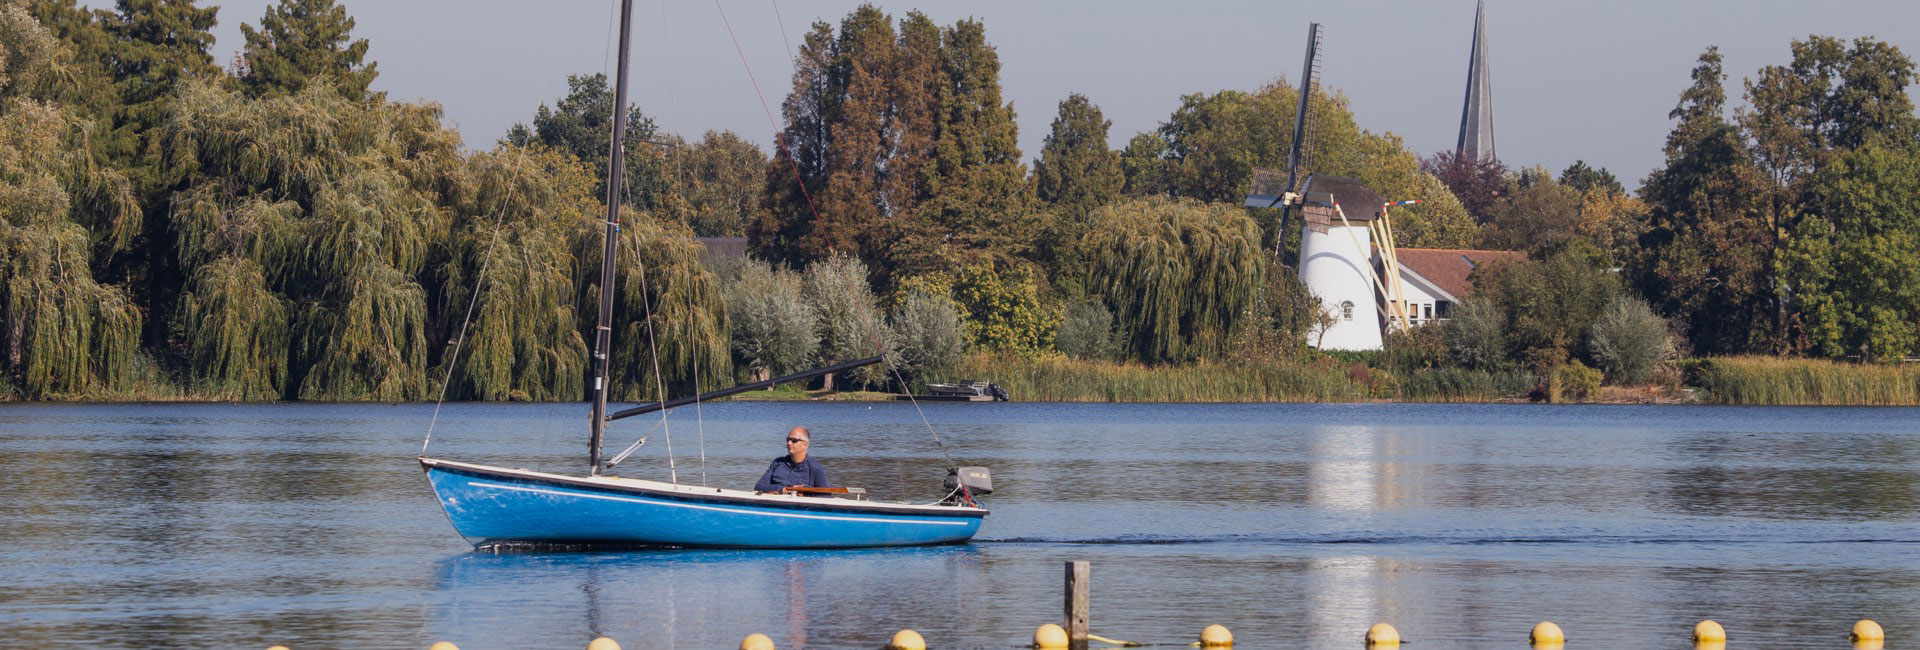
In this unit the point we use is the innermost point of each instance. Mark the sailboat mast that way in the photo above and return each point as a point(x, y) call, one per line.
point(603, 329)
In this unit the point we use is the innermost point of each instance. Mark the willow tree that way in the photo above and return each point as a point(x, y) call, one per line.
point(667, 309)
point(61, 332)
point(1181, 275)
point(511, 243)
point(851, 325)
point(337, 202)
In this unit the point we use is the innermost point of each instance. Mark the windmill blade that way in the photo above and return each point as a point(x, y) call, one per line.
point(1268, 190)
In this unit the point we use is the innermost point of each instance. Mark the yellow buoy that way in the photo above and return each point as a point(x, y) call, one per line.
point(1709, 631)
point(1050, 636)
point(1872, 644)
point(603, 643)
point(437, 645)
point(907, 640)
point(1709, 645)
point(1382, 634)
point(1867, 630)
point(276, 647)
point(1546, 632)
point(1216, 636)
point(756, 642)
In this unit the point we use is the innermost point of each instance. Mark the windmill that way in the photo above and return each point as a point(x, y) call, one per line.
point(1337, 249)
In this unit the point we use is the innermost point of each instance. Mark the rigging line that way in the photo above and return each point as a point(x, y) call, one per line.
point(777, 140)
point(678, 166)
point(659, 384)
point(486, 262)
point(782, 24)
point(923, 415)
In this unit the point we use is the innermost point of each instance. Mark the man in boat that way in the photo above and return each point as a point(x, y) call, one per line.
point(794, 469)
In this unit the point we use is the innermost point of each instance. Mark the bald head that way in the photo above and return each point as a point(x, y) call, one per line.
point(797, 442)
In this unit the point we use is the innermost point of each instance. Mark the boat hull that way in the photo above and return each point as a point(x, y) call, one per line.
point(490, 505)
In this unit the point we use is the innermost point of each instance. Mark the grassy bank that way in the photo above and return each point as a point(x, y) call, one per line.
point(1773, 380)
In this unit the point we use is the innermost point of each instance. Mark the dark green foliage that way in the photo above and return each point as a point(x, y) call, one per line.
point(1855, 260)
point(511, 244)
point(658, 272)
point(1541, 310)
point(581, 124)
point(1584, 179)
point(1704, 256)
point(1076, 171)
point(1629, 341)
point(1181, 275)
point(720, 179)
point(1086, 331)
point(301, 42)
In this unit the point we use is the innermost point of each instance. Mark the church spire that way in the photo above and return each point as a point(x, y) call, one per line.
point(1476, 118)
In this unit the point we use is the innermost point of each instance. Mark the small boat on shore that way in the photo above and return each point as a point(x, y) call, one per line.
point(968, 390)
point(499, 506)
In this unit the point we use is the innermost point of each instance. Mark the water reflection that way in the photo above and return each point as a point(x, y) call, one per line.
point(693, 598)
point(1295, 525)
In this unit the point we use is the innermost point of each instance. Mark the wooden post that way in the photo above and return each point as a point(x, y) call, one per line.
point(1077, 571)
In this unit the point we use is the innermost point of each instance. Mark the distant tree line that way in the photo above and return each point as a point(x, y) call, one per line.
point(275, 229)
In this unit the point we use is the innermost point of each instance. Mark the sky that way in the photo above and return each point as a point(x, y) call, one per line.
point(1572, 80)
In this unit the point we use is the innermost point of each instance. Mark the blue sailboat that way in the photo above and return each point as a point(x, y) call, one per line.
point(499, 506)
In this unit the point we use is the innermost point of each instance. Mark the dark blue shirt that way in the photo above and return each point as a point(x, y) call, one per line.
point(785, 473)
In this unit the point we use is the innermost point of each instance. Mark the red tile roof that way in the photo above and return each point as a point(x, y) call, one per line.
point(1448, 267)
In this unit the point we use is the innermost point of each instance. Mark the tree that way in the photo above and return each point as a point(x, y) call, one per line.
point(720, 177)
point(1855, 258)
point(1543, 309)
point(62, 332)
point(1588, 180)
point(1476, 182)
point(850, 323)
point(1628, 341)
point(1704, 250)
point(303, 41)
point(1075, 174)
point(1829, 100)
point(928, 341)
point(1538, 214)
point(1181, 276)
point(581, 123)
point(1076, 171)
point(772, 327)
point(1208, 148)
point(1086, 331)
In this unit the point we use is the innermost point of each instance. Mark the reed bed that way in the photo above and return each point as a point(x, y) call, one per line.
point(1772, 380)
point(1059, 379)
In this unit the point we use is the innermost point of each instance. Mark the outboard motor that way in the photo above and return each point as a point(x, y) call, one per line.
point(977, 480)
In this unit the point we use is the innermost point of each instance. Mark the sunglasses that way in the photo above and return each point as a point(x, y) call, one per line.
point(794, 440)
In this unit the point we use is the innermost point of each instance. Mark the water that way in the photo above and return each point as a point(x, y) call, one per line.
point(1294, 525)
